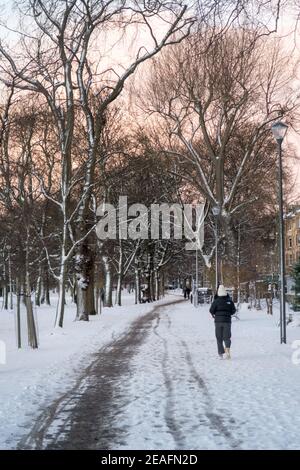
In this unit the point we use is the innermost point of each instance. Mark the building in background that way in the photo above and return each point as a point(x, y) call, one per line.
point(292, 237)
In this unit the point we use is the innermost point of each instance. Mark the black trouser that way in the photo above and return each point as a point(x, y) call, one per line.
point(187, 293)
point(223, 334)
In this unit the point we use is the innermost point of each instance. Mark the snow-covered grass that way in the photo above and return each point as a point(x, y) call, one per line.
point(178, 394)
point(30, 379)
point(187, 398)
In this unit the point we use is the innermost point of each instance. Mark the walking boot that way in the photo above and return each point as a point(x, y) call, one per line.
point(227, 352)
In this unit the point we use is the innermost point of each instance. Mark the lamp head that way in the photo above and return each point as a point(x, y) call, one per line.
point(216, 210)
point(279, 130)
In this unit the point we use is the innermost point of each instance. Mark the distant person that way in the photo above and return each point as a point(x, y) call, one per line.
point(221, 310)
point(188, 292)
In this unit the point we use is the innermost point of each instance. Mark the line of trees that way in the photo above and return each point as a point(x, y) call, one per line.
point(72, 137)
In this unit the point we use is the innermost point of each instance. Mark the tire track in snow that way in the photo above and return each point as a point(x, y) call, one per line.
point(216, 421)
point(169, 415)
point(86, 417)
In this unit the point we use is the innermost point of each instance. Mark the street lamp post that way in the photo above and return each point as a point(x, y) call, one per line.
point(279, 130)
point(195, 298)
point(216, 212)
point(11, 306)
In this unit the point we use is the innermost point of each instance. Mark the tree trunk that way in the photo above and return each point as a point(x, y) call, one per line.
point(44, 279)
point(221, 272)
point(86, 300)
point(60, 309)
point(149, 273)
point(38, 290)
point(85, 282)
point(108, 282)
point(162, 283)
point(91, 293)
point(120, 276)
point(137, 273)
point(24, 293)
point(5, 297)
point(43, 294)
point(153, 298)
point(32, 333)
point(18, 314)
point(119, 289)
point(148, 281)
point(156, 280)
point(5, 289)
point(74, 290)
point(230, 235)
point(238, 263)
point(98, 300)
point(46, 287)
point(11, 302)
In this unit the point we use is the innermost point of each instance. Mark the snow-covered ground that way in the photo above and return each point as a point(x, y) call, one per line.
point(250, 402)
point(30, 379)
point(179, 394)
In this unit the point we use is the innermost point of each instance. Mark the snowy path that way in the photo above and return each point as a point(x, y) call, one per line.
point(161, 386)
point(30, 380)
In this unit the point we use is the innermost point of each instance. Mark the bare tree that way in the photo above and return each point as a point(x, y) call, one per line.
point(217, 108)
point(56, 60)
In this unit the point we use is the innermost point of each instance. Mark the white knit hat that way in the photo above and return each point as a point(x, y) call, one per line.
point(221, 291)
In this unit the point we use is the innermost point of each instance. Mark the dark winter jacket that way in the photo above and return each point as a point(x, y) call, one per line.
point(222, 308)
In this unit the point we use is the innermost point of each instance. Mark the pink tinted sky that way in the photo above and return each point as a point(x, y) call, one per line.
point(289, 30)
point(120, 57)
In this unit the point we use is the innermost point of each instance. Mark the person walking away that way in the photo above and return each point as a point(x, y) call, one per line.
point(188, 292)
point(222, 310)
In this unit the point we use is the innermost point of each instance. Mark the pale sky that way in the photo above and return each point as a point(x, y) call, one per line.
point(290, 31)
point(287, 25)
